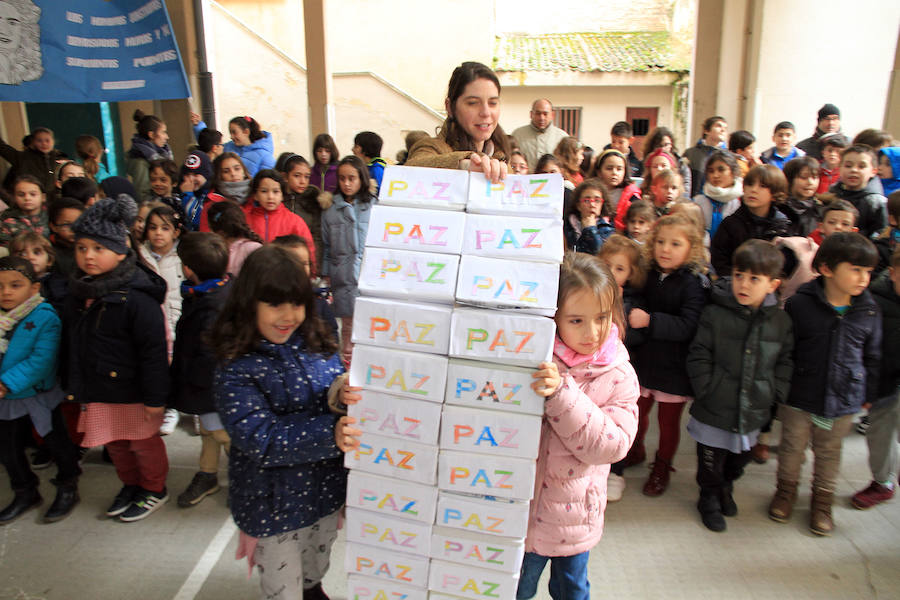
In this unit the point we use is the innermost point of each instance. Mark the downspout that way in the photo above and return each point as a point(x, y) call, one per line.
point(204, 77)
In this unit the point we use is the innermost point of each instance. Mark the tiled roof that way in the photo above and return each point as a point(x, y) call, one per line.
point(586, 52)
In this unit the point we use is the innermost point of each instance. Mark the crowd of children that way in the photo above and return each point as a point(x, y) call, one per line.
point(222, 286)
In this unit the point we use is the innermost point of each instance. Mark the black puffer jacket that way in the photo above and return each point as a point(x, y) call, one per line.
point(32, 162)
point(674, 304)
point(739, 227)
point(193, 361)
point(836, 357)
point(885, 294)
point(739, 362)
point(869, 201)
point(117, 346)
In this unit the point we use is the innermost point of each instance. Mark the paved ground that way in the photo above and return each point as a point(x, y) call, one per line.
point(652, 548)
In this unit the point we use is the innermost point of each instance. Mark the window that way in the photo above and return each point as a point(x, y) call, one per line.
point(568, 118)
point(641, 127)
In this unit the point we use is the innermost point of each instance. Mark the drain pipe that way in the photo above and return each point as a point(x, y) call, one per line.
point(204, 77)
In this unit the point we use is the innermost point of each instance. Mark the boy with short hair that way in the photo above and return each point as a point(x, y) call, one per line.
point(837, 351)
point(857, 187)
point(620, 136)
point(82, 189)
point(210, 142)
point(743, 344)
point(833, 144)
point(741, 144)
point(367, 146)
point(61, 215)
point(715, 132)
point(204, 260)
point(784, 149)
point(884, 415)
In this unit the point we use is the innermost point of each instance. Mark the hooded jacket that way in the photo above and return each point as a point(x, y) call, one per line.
point(29, 364)
point(836, 357)
point(325, 179)
point(269, 225)
point(137, 164)
point(740, 227)
point(344, 229)
point(870, 203)
point(285, 467)
point(892, 153)
point(116, 347)
point(309, 206)
point(886, 297)
point(739, 362)
point(589, 423)
point(256, 155)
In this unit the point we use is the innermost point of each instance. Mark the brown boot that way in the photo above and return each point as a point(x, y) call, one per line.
point(636, 455)
point(760, 454)
point(659, 477)
point(782, 504)
point(820, 521)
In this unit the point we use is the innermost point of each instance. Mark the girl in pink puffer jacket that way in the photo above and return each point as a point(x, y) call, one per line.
point(590, 420)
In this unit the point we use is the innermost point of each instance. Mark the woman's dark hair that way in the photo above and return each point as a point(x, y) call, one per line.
point(273, 275)
point(267, 174)
point(146, 124)
point(167, 214)
point(726, 157)
point(605, 156)
point(249, 123)
point(323, 140)
point(167, 166)
point(354, 161)
point(227, 218)
point(217, 170)
point(594, 183)
point(795, 166)
point(655, 140)
point(451, 131)
point(845, 246)
point(740, 139)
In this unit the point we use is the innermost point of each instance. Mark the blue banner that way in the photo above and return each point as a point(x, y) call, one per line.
point(88, 51)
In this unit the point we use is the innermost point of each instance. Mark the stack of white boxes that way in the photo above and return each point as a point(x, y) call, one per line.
point(437, 498)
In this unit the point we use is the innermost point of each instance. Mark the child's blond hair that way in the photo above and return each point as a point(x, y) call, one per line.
point(582, 271)
point(619, 244)
point(696, 259)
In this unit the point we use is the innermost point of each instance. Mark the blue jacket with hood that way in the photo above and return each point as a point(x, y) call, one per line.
point(257, 155)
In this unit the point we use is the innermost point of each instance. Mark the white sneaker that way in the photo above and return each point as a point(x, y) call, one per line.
point(615, 487)
point(170, 421)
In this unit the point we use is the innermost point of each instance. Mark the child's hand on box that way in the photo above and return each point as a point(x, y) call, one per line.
point(345, 436)
point(547, 379)
point(350, 394)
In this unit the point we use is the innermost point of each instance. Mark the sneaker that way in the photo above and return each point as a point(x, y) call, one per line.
point(863, 426)
point(41, 458)
point(122, 500)
point(201, 486)
point(145, 503)
point(871, 496)
point(615, 487)
point(170, 421)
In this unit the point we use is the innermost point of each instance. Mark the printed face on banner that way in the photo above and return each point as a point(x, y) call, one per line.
point(539, 195)
point(477, 550)
point(501, 337)
point(391, 496)
point(392, 416)
point(470, 473)
point(490, 432)
point(408, 275)
point(530, 286)
point(386, 565)
point(390, 533)
point(421, 187)
point(415, 229)
point(484, 385)
point(468, 582)
point(407, 374)
point(409, 461)
point(483, 516)
point(518, 238)
point(402, 325)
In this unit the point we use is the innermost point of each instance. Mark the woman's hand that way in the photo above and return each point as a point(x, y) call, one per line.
point(153, 412)
point(492, 168)
point(345, 436)
point(547, 379)
point(350, 394)
point(638, 318)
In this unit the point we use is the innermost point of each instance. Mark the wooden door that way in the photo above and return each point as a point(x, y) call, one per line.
point(643, 121)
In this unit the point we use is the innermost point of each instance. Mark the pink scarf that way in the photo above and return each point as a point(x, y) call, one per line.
point(603, 356)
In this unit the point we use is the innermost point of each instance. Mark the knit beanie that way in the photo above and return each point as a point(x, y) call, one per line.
point(829, 109)
point(107, 222)
point(197, 162)
point(113, 187)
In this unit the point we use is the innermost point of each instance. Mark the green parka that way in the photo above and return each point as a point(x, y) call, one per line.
point(739, 362)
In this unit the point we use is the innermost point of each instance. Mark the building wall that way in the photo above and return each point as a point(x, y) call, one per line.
point(567, 16)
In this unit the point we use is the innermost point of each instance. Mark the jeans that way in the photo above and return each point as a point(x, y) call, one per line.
point(568, 576)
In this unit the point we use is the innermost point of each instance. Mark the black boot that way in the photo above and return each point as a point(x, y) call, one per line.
point(315, 593)
point(66, 499)
point(23, 501)
point(726, 500)
point(711, 513)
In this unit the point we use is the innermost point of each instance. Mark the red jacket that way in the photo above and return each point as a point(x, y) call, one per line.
point(211, 198)
point(827, 178)
point(631, 193)
point(281, 221)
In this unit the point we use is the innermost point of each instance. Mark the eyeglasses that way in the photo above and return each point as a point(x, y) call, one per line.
point(64, 225)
